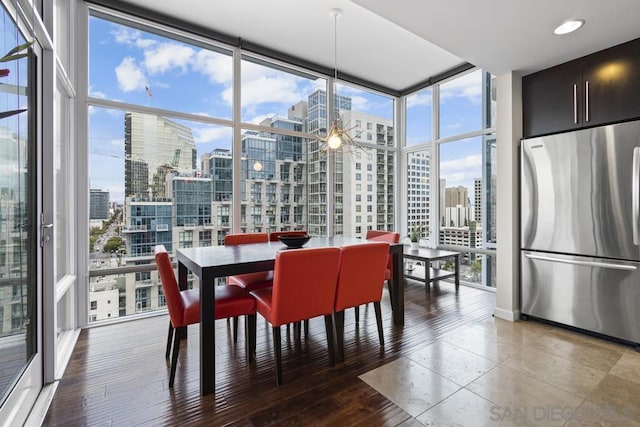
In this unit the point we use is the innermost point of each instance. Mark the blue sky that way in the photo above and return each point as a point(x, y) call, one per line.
point(142, 68)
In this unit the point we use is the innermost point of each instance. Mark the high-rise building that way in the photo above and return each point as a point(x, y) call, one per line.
point(363, 194)
point(152, 142)
point(219, 165)
point(98, 204)
point(147, 223)
point(365, 177)
point(477, 200)
point(191, 197)
point(418, 190)
point(454, 210)
point(316, 124)
point(456, 196)
point(14, 235)
point(273, 184)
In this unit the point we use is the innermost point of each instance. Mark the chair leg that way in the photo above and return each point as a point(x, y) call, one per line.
point(339, 320)
point(177, 337)
point(296, 330)
point(390, 292)
point(169, 337)
point(278, 354)
point(250, 334)
point(328, 325)
point(376, 306)
point(235, 330)
point(357, 313)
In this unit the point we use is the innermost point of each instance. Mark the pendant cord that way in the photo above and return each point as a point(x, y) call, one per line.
point(335, 47)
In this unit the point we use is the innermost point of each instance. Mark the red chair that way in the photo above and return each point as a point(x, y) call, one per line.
point(390, 237)
point(273, 237)
point(184, 308)
point(304, 286)
point(249, 281)
point(360, 281)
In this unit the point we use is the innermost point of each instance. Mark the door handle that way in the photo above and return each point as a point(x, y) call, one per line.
point(575, 103)
point(586, 101)
point(635, 196)
point(44, 237)
point(585, 263)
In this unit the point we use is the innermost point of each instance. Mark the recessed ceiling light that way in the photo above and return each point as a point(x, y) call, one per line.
point(569, 26)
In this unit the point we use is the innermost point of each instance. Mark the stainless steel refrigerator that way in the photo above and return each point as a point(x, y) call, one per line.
point(580, 229)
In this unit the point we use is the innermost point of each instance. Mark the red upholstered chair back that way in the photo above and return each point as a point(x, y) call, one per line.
point(274, 236)
point(244, 238)
point(175, 305)
point(383, 236)
point(361, 274)
point(304, 284)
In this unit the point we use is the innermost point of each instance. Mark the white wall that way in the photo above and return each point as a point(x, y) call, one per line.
point(508, 133)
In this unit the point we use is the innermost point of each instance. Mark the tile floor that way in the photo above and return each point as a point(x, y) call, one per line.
point(500, 373)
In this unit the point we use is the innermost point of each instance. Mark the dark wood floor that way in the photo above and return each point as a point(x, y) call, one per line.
point(118, 376)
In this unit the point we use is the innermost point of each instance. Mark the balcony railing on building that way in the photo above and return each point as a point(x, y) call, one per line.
point(134, 228)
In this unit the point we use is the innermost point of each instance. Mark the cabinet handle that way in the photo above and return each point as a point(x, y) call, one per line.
point(575, 103)
point(586, 101)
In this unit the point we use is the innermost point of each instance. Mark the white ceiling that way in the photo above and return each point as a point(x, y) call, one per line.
point(403, 42)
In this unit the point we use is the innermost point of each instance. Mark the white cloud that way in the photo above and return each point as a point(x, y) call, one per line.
point(216, 66)
point(359, 103)
point(468, 86)
point(129, 75)
point(131, 37)
point(117, 142)
point(319, 84)
point(266, 89)
point(421, 98)
point(253, 71)
point(125, 35)
point(213, 134)
point(165, 56)
point(461, 171)
point(97, 94)
point(144, 43)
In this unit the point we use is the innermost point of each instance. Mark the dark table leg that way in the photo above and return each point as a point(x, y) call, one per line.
point(457, 257)
point(207, 334)
point(427, 274)
point(397, 286)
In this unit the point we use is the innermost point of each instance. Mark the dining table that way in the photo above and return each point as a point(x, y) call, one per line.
point(210, 262)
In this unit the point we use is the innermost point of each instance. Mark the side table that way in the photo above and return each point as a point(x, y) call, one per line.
point(432, 274)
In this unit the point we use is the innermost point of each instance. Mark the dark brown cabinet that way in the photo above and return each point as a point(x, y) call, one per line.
point(597, 89)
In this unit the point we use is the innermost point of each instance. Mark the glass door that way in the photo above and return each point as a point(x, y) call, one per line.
point(20, 337)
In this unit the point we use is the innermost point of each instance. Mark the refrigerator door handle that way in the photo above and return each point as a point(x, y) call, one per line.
point(635, 196)
point(585, 263)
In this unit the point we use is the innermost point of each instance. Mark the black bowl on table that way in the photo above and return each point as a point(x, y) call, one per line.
point(294, 242)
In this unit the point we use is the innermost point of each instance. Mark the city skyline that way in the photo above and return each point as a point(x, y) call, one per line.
point(142, 68)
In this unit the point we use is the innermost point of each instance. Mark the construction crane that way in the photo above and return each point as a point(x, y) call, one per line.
point(154, 163)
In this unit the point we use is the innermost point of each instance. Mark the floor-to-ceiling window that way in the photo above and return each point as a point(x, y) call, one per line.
point(159, 149)
point(364, 175)
point(451, 170)
point(18, 268)
point(179, 156)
